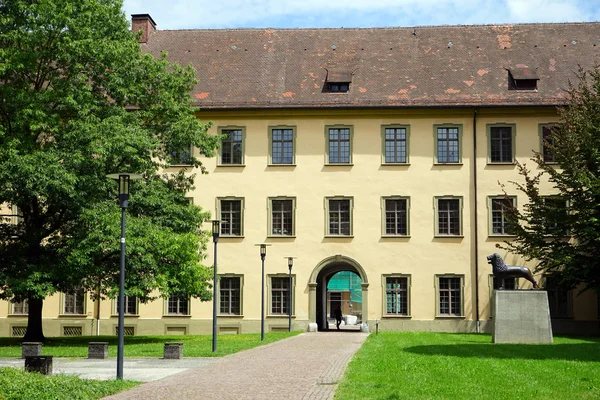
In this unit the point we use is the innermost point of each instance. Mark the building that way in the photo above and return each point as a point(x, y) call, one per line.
point(375, 151)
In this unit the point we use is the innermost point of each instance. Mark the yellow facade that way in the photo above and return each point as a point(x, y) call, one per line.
point(420, 257)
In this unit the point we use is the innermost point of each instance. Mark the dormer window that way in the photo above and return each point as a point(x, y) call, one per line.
point(522, 79)
point(338, 81)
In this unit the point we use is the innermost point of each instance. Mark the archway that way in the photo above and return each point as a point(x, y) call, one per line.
point(319, 279)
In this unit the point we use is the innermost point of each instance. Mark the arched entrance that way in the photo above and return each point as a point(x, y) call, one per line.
point(319, 279)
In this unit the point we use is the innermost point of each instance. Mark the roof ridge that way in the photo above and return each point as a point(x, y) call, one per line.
point(537, 24)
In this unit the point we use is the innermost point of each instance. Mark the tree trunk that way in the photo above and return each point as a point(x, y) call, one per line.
point(34, 333)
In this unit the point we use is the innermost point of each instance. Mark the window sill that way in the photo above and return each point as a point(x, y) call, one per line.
point(17, 315)
point(501, 163)
point(339, 236)
point(231, 236)
point(231, 165)
point(281, 165)
point(126, 315)
point(230, 316)
point(449, 236)
point(339, 164)
point(450, 317)
point(395, 236)
point(180, 165)
point(177, 315)
point(442, 164)
point(280, 316)
point(72, 315)
point(398, 164)
point(390, 316)
point(500, 235)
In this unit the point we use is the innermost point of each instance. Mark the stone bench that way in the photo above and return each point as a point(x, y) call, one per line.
point(98, 350)
point(41, 364)
point(173, 351)
point(31, 349)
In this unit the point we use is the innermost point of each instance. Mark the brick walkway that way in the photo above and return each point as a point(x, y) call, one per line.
point(307, 366)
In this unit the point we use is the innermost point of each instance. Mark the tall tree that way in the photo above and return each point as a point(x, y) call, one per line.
point(78, 100)
point(561, 232)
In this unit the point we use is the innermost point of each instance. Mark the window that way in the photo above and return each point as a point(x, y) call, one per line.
point(449, 216)
point(396, 295)
point(395, 144)
point(232, 146)
point(447, 144)
point(548, 143)
point(497, 206)
point(131, 305)
point(508, 284)
point(282, 211)
point(338, 80)
point(522, 79)
point(559, 298)
point(16, 215)
point(20, 308)
point(395, 216)
point(231, 212)
point(339, 145)
point(282, 145)
point(230, 295)
point(74, 302)
point(449, 293)
point(495, 284)
point(181, 156)
point(178, 305)
point(555, 213)
point(339, 216)
point(501, 143)
point(280, 287)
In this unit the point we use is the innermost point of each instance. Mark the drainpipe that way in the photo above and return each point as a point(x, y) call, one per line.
point(98, 309)
point(475, 233)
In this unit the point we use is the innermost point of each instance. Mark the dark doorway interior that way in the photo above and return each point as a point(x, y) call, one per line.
point(328, 301)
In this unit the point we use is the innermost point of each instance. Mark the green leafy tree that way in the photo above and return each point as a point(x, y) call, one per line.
point(78, 100)
point(561, 232)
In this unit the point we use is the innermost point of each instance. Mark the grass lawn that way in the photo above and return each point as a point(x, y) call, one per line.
point(146, 346)
point(17, 385)
point(425, 365)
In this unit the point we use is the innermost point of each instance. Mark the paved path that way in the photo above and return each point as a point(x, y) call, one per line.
point(134, 369)
point(307, 367)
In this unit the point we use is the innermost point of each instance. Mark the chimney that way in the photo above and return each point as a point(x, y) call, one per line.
point(144, 23)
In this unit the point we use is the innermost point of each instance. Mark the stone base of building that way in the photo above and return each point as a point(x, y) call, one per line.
point(521, 316)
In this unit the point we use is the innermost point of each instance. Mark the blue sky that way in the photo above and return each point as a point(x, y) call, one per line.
point(199, 14)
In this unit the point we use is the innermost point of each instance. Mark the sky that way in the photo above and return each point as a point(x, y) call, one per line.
point(215, 14)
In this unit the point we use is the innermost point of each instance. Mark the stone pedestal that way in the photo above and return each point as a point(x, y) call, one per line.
point(31, 349)
point(521, 316)
point(173, 351)
point(41, 364)
point(98, 350)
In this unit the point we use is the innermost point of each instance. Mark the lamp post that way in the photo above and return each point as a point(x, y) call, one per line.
point(123, 179)
point(290, 264)
point(263, 255)
point(215, 233)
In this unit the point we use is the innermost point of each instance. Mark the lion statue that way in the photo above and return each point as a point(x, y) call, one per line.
point(503, 271)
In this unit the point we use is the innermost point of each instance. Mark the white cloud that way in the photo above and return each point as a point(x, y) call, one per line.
point(547, 11)
point(189, 14)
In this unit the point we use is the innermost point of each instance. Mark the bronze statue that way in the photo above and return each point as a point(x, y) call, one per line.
point(503, 271)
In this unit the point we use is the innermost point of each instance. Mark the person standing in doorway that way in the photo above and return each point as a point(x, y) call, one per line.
point(338, 317)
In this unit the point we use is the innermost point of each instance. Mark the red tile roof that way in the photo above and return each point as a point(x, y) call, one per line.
point(391, 67)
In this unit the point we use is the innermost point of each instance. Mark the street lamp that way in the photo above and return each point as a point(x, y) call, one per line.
point(263, 255)
point(215, 233)
point(290, 264)
point(123, 180)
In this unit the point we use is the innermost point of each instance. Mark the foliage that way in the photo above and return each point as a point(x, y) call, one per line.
point(562, 232)
point(428, 365)
point(16, 384)
point(78, 101)
point(147, 346)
